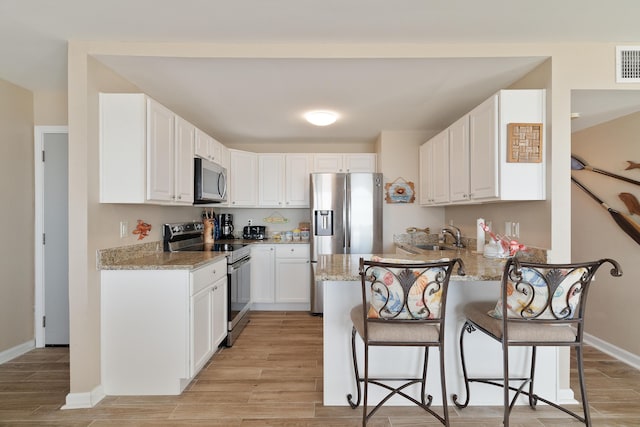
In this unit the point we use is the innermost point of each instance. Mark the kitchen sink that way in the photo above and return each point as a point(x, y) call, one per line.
point(434, 248)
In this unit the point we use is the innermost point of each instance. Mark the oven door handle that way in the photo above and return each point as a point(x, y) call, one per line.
point(236, 265)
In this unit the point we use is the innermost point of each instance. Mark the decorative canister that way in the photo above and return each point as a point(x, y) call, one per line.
point(296, 234)
point(304, 233)
point(288, 236)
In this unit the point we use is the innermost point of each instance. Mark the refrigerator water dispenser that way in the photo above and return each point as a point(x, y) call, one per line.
point(323, 223)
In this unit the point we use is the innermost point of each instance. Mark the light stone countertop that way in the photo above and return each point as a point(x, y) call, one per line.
point(149, 256)
point(477, 268)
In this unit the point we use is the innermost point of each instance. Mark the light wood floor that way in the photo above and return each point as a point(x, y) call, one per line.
point(272, 376)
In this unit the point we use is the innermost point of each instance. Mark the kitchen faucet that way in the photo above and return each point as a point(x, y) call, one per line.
point(455, 233)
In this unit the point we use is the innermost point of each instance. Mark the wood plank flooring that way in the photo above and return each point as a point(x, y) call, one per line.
point(272, 376)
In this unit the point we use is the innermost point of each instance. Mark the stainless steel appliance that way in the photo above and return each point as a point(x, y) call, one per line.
point(254, 232)
point(346, 218)
point(187, 236)
point(226, 225)
point(209, 183)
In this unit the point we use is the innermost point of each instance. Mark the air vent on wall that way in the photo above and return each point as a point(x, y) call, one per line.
point(628, 64)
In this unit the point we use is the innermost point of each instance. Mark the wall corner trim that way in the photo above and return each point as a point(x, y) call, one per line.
point(84, 400)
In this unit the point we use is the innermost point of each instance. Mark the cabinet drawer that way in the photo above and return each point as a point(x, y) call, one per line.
point(207, 275)
point(292, 251)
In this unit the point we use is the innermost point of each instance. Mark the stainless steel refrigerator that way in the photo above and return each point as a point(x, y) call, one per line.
point(346, 218)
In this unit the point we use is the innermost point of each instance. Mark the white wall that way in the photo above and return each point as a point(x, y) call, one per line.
point(611, 313)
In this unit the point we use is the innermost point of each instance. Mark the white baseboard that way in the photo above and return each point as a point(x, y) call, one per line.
point(622, 355)
point(565, 396)
point(84, 400)
point(16, 351)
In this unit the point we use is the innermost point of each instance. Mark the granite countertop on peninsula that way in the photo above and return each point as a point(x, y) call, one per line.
point(477, 268)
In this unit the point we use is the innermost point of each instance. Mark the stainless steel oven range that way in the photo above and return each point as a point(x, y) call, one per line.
point(187, 236)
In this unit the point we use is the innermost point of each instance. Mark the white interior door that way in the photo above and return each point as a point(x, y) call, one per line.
point(52, 261)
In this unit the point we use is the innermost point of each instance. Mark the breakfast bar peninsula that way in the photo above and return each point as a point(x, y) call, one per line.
point(342, 291)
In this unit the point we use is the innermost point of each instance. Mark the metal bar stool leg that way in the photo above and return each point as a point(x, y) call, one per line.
point(583, 388)
point(355, 369)
point(466, 327)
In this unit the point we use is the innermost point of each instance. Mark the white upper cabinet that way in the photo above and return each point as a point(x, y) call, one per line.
point(434, 170)
point(426, 185)
point(478, 167)
point(440, 167)
point(271, 176)
point(335, 162)
point(243, 178)
point(297, 170)
point(160, 149)
point(283, 180)
point(144, 149)
point(459, 160)
point(183, 177)
point(208, 147)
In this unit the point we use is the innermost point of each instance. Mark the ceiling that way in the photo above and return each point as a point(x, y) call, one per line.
point(249, 100)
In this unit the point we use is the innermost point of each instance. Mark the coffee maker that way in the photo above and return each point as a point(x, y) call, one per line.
point(226, 226)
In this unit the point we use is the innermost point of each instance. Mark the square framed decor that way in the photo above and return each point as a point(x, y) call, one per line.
point(524, 142)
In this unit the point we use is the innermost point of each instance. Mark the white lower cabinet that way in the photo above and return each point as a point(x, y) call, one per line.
point(280, 277)
point(263, 258)
point(159, 327)
point(293, 274)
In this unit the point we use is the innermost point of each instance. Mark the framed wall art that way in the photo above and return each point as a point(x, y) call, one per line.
point(524, 142)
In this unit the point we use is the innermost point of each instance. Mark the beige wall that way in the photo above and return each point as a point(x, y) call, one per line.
point(584, 66)
point(399, 158)
point(611, 312)
point(17, 214)
point(50, 108)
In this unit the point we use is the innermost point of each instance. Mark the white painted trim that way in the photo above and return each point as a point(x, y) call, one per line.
point(622, 355)
point(16, 351)
point(84, 400)
point(565, 396)
point(39, 132)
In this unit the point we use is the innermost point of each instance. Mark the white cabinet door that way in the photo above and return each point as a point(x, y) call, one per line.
point(207, 147)
point(202, 146)
point(243, 178)
point(459, 160)
point(331, 163)
point(297, 169)
point(183, 179)
point(271, 177)
point(201, 324)
point(219, 307)
point(263, 273)
point(335, 162)
point(160, 122)
point(483, 150)
point(293, 274)
point(426, 190)
point(440, 167)
point(361, 162)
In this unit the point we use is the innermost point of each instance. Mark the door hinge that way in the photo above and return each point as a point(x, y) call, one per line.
point(44, 238)
point(44, 321)
point(43, 156)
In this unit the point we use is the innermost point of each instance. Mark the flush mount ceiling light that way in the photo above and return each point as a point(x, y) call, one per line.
point(321, 118)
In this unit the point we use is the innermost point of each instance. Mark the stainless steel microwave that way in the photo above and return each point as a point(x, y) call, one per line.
point(210, 182)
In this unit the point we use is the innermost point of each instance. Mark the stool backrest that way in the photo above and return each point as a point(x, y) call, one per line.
point(549, 293)
point(405, 290)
